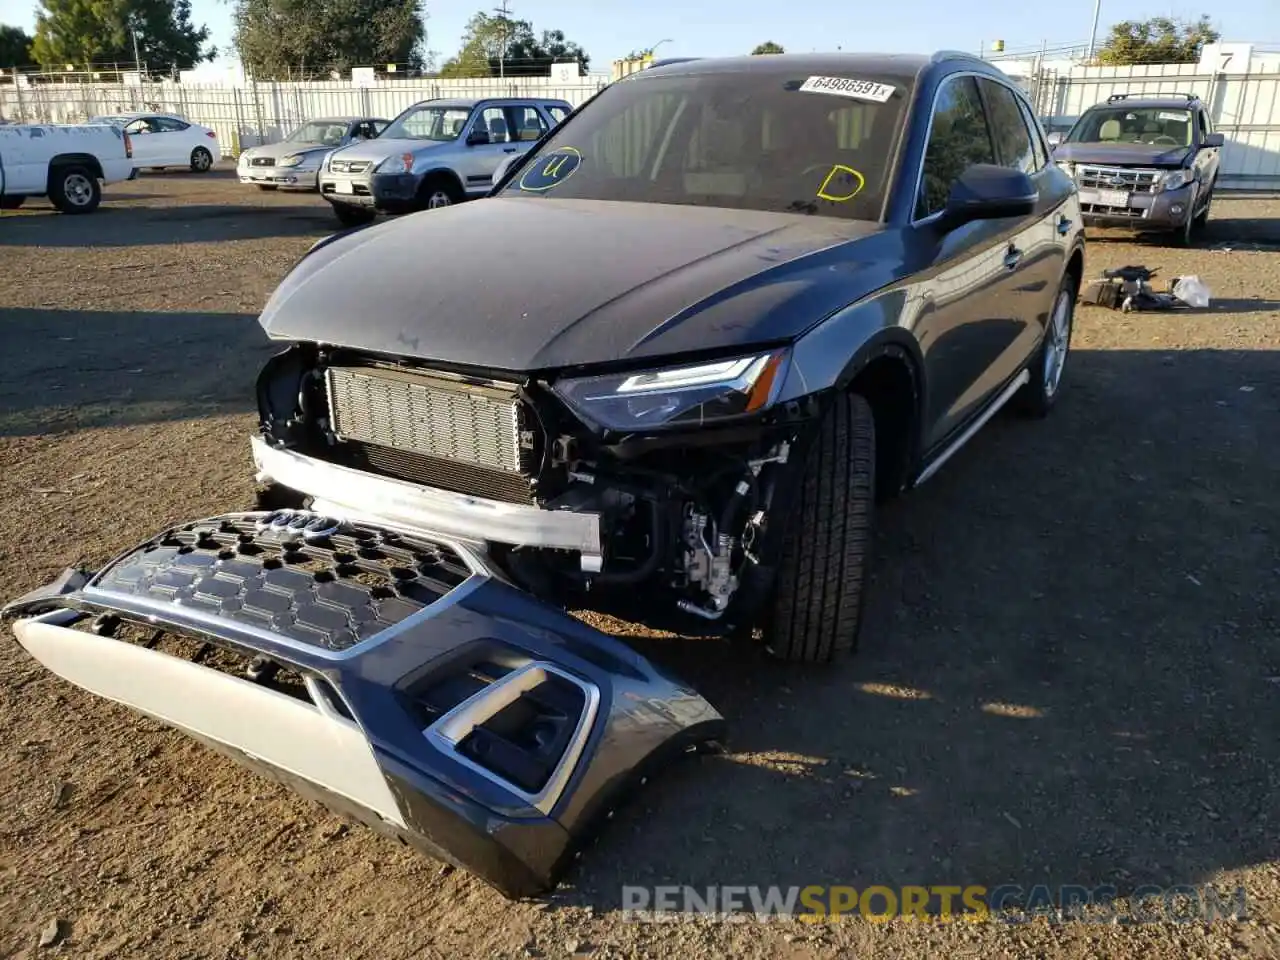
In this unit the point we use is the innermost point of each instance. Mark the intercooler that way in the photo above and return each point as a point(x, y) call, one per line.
point(448, 433)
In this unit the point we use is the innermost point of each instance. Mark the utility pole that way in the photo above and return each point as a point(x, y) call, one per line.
point(504, 13)
point(1093, 34)
point(137, 62)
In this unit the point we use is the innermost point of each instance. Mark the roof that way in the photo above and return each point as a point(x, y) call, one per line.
point(1171, 101)
point(875, 64)
point(468, 102)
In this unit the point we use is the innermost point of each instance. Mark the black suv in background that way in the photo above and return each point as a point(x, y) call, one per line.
point(1144, 163)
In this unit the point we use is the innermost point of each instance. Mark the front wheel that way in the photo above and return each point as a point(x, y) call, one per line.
point(1037, 396)
point(437, 192)
point(201, 160)
point(826, 543)
point(74, 190)
point(352, 216)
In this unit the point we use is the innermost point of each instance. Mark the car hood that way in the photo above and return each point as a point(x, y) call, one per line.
point(1121, 155)
point(524, 284)
point(282, 149)
point(380, 149)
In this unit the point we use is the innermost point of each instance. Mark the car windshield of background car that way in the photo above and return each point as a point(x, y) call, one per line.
point(429, 123)
point(1155, 126)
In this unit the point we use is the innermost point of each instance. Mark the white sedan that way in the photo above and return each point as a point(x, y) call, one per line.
point(164, 140)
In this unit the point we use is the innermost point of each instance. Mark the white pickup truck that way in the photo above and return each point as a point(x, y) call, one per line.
point(66, 163)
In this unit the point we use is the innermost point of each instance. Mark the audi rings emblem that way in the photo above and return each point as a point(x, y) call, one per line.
point(302, 523)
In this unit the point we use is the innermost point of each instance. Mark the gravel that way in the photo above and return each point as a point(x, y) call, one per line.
point(1067, 673)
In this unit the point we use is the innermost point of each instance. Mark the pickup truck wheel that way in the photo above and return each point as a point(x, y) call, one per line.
point(1040, 393)
point(352, 216)
point(11, 203)
point(826, 544)
point(201, 160)
point(74, 189)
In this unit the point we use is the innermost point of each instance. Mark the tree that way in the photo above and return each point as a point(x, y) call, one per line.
point(85, 32)
point(15, 47)
point(277, 39)
point(767, 47)
point(494, 45)
point(1158, 40)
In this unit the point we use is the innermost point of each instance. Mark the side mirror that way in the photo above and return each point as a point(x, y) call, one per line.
point(1055, 138)
point(1214, 140)
point(988, 192)
point(477, 138)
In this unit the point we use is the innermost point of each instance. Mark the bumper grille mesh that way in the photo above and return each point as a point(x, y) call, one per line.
point(1118, 178)
point(422, 415)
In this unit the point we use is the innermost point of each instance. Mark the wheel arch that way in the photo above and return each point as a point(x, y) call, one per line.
point(888, 373)
point(442, 173)
point(87, 160)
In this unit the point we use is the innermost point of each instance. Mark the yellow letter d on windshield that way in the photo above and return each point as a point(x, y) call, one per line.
point(856, 181)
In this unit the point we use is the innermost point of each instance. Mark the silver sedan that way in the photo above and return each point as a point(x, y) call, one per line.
point(294, 162)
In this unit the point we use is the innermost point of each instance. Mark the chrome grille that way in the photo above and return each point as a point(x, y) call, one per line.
point(349, 166)
point(428, 415)
point(263, 162)
point(1118, 178)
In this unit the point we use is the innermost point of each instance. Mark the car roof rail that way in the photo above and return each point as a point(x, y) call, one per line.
point(1189, 97)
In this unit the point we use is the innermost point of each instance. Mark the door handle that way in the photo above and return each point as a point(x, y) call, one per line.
point(1064, 225)
point(508, 149)
point(1013, 257)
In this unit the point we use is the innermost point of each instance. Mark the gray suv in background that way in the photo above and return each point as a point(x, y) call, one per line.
point(1144, 163)
point(435, 154)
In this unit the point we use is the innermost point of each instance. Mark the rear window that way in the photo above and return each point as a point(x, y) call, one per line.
point(801, 144)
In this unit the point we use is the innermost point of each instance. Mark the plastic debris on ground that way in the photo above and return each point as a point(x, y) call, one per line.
point(1129, 288)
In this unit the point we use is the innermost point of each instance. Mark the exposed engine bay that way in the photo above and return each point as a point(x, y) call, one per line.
point(684, 510)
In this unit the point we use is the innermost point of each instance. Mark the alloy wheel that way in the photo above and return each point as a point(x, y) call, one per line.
point(1058, 341)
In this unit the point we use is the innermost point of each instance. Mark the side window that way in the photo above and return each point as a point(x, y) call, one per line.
point(1038, 146)
point(958, 139)
point(527, 123)
point(1008, 129)
point(380, 125)
point(493, 121)
point(558, 113)
point(169, 125)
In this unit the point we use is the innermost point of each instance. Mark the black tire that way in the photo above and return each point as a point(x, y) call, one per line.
point(11, 203)
point(825, 550)
point(350, 216)
point(439, 191)
point(1202, 219)
point(1039, 395)
point(201, 160)
point(74, 189)
point(266, 186)
point(1185, 234)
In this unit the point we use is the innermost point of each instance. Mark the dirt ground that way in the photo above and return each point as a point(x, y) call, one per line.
point(1070, 669)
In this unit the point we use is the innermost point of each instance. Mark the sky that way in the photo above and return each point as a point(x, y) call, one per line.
point(609, 29)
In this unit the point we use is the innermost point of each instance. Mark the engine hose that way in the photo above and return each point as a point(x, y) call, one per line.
point(643, 571)
point(752, 486)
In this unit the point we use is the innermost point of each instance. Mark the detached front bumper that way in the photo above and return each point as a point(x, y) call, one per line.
point(396, 679)
point(1167, 210)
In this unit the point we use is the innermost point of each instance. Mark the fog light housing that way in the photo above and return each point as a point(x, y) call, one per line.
point(1176, 209)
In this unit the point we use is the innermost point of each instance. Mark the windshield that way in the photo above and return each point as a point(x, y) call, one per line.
point(327, 132)
point(428, 123)
point(1156, 126)
point(743, 140)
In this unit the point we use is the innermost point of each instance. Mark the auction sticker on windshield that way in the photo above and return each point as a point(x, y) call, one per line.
point(848, 87)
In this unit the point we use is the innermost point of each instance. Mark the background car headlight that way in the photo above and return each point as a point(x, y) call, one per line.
point(400, 164)
point(1176, 179)
point(673, 396)
point(292, 160)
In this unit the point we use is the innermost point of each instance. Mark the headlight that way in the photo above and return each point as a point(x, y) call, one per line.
point(673, 396)
point(1176, 179)
point(400, 164)
point(292, 160)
